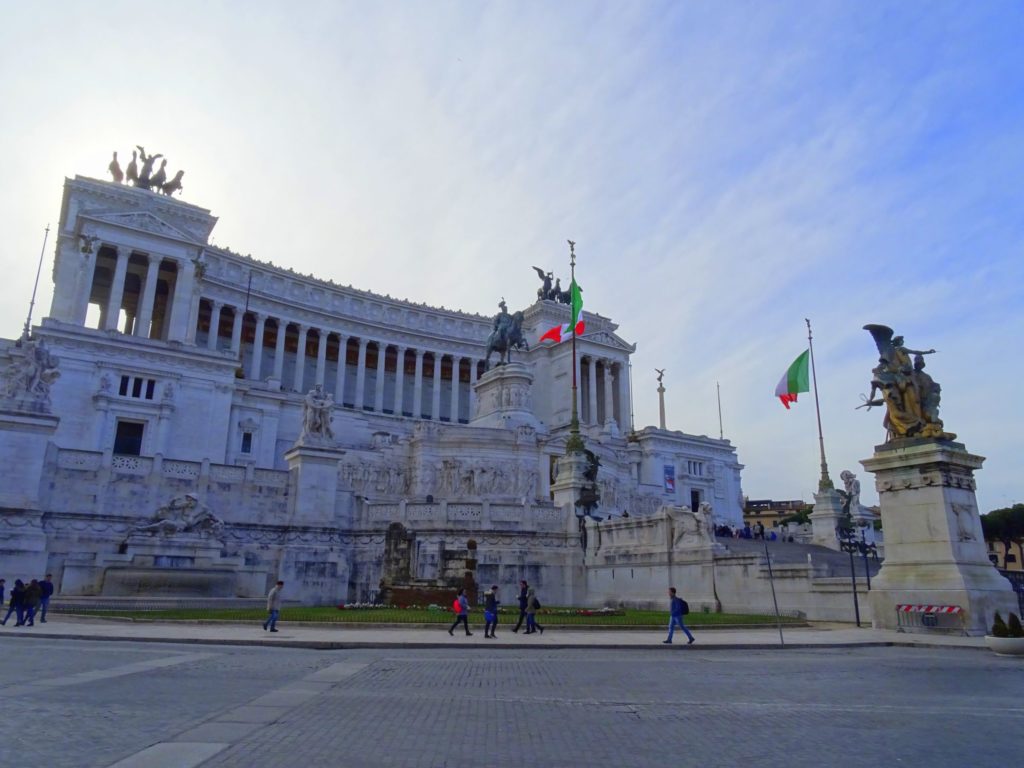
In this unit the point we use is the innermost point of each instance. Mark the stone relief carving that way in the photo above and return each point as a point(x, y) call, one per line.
point(29, 374)
point(964, 514)
point(182, 514)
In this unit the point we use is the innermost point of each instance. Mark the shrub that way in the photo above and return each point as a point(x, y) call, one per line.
point(1013, 626)
point(999, 628)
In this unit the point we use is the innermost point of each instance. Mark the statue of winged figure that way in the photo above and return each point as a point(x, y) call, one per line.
point(544, 292)
point(910, 396)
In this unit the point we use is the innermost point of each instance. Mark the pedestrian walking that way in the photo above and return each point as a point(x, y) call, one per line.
point(33, 596)
point(677, 609)
point(273, 607)
point(491, 603)
point(17, 604)
point(532, 606)
point(461, 608)
point(523, 589)
point(44, 601)
point(2, 588)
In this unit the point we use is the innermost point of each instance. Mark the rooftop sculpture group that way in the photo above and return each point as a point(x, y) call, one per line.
point(144, 177)
point(549, 292)
point(910, 396)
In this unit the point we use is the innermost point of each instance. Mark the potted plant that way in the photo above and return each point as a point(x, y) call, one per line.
point(1007, 638)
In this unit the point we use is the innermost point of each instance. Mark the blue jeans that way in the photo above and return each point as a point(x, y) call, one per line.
point(271, 622)
point(18, 611)
point(44, 603)
point(672, 622)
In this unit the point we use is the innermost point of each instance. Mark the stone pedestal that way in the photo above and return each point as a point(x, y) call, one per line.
point(504, 398)
point(827, 514)
point(314, 471)
point(566, 490)
point(24, 438)
point(934, 548)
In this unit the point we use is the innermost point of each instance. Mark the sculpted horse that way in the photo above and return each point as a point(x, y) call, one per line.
point(506, 336)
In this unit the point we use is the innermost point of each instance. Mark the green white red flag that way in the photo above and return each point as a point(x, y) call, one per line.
point(795, 380)
point(564, 332)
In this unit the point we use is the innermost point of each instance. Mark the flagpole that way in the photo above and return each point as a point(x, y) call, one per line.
point(824, 482)
point(575, 443)
point(718, 390)
point(27, 331)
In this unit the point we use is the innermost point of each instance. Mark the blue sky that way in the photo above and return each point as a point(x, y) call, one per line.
point(726, 169)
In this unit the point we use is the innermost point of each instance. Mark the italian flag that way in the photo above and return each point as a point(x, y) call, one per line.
point(794, 380)
point(564, 332)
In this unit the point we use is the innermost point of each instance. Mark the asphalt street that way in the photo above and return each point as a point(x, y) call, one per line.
point(79, 703)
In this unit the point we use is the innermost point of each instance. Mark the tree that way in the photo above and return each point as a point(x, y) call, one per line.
point(1006, 525)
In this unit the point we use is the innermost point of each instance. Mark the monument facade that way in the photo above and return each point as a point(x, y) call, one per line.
point(306, 418)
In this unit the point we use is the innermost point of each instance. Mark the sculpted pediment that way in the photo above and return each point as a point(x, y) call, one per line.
point(145, 222)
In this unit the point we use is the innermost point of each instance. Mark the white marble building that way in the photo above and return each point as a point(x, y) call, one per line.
point(183, 369)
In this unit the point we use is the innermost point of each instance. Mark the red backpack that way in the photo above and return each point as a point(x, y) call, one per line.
point(457, 606)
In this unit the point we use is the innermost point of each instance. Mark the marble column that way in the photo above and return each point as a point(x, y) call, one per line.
point(456, 362)
point(181, 306)
point(378, 389)
point(399, 380)
point(624, 420)
point(257, 348)
point(609, 405)
point(592, 390)
point(113, 313)
point(300, 359)
point(361, 376)
point(472, 387)
point(236, 331)
point(211, 339)
point(321, 355)
point(417, 387)
point(282, 332)
point(435, 406)
point(145, 315)
point(339, 378)
point(86, 275)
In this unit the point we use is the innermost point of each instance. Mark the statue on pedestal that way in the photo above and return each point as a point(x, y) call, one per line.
point(316, 415)
point(27, 378)
point(910, 396)
point(115, 170)
point(506, 335)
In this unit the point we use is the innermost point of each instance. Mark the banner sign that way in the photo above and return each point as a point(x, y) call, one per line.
point(670, 478)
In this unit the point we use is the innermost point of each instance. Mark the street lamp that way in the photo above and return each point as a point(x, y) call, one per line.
point(848, 543)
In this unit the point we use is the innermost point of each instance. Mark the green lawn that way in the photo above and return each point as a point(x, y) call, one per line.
point(331, 615)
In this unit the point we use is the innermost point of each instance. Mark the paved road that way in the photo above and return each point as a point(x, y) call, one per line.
point(82, 704)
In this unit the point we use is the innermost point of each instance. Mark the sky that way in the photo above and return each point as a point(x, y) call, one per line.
point(726, 169)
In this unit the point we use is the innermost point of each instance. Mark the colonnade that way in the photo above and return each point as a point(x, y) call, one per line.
point(361, 373)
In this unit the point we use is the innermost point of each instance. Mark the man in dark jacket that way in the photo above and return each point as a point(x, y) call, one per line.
point(523, 587)
point(677, 609)
point(17, 605)
point(491, 603)
point(44, 601)
point(33, 596)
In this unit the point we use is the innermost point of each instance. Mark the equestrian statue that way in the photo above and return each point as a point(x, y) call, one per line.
point(506, 335)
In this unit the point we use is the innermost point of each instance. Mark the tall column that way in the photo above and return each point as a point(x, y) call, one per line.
point(435, 406)
point(257, 348)
point(85, 277)
point(145, 315)
point(609, 403)
point(282, 332)
point(417, 387)
point(300, 359)
point(177, 327)
point(456, 362)
point(399, 380)
point(378, 394)
point(625, 420)
point(321, 355)
point(472, 387)
point(211, 339)
point(339, 378)
point(361, 376)
point(236, 331)
point(592, 391)
point(113, 312)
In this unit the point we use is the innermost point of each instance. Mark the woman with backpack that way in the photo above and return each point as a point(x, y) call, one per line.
point(461, 608)
point(532, 606)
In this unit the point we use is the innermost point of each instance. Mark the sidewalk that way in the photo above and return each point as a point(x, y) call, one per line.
point(340, 637)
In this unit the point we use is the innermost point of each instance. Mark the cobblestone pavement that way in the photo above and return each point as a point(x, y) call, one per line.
point(81, 703)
